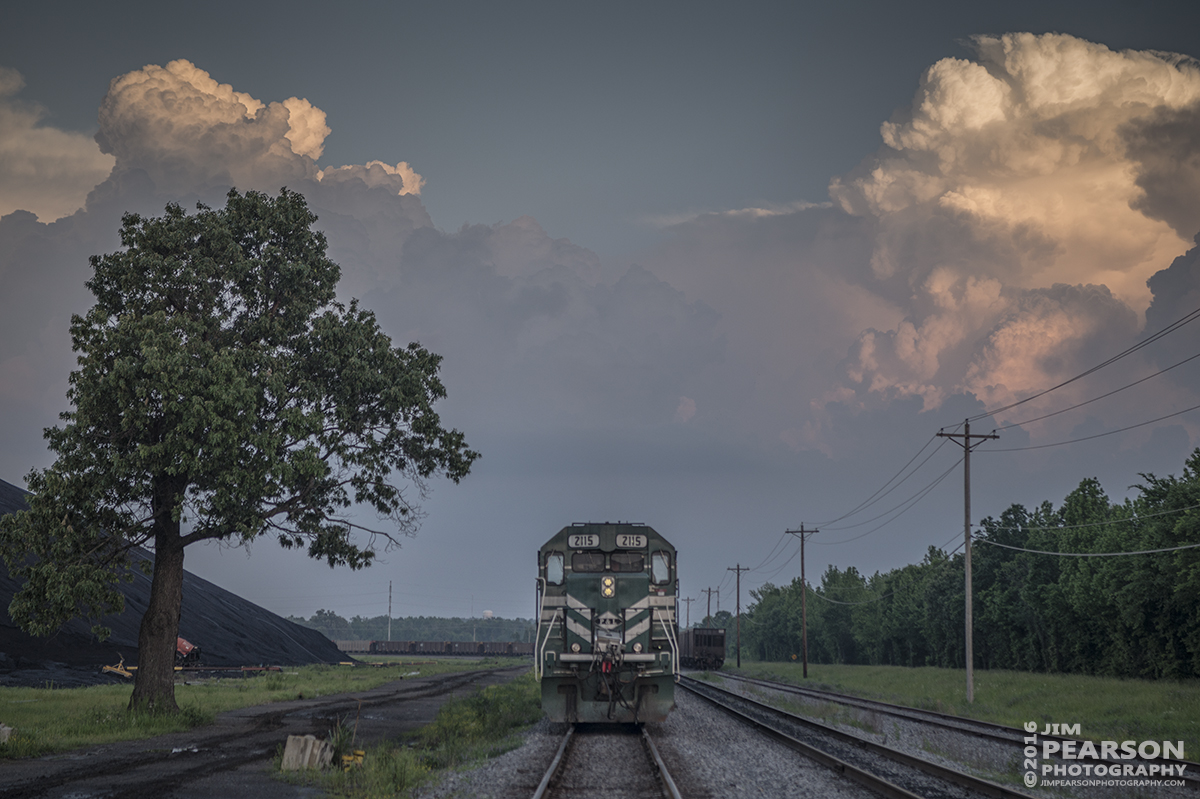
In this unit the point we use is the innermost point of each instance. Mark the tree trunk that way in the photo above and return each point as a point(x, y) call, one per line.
point(154, 684)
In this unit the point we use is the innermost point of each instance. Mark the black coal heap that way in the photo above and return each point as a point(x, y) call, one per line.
point(229, 630)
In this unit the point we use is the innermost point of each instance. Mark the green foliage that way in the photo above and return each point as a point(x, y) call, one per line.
point(1107, 708)
point(466, 729)
point(54, 720)
point(222, 393)
point(481, 725)
point(1130, 616)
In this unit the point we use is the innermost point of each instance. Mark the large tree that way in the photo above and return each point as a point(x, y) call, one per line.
point(222, 394)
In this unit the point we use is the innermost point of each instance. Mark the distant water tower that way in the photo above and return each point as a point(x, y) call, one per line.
point(487, 614)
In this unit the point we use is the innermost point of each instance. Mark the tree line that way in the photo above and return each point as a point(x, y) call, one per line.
point(417, 628)
point(1127, 616)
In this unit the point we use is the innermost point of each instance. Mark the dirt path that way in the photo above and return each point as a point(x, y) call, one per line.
point(232, 758)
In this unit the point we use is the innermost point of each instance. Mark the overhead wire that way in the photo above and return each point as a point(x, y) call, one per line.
point(1171, 328)
point(898, 510)
point(1088, 554)
point(866, 503)
point(1097, 435)
point(1102, 396)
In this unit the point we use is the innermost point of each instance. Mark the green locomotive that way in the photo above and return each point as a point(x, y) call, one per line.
point(607, 646)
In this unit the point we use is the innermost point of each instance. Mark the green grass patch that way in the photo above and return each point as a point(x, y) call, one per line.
point(466, 730)
point(1105, 708)
point(49, 720)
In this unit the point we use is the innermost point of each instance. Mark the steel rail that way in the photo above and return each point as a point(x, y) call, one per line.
point(663, 773)
point(670, 789)
point(861, 775)
point(968, 726)
point(540, 793)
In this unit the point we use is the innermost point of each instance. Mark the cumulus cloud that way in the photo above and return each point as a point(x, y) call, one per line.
point(399, 178)
point(1018, 208)
point(187, 132)
point(46, 171)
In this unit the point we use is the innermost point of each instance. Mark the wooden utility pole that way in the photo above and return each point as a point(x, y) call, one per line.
point(389, 610)
point(966, 444)
point(688, 600)
point(803, 597)
point(710, 592)
point(739, 569)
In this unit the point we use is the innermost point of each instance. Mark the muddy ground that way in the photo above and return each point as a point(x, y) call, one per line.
point(233, 758)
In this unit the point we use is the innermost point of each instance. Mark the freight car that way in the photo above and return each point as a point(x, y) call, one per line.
point(607, 645)
point(702, 648)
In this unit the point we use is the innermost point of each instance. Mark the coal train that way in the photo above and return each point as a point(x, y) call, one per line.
point(489, 648)
point(607, 647)
point(702, 648)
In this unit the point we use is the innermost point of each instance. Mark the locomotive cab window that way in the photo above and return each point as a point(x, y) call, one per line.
point(554, 568)
point(628, 562)
point(587, 562)
point(660, 567)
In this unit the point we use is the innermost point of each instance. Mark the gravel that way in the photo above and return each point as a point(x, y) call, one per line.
point(982, 757)
point(707, 753)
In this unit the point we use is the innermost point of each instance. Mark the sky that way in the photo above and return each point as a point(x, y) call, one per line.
point(724, 270)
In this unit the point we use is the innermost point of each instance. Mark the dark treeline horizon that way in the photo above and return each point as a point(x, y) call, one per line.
point(417, 628)
point(1125, 616)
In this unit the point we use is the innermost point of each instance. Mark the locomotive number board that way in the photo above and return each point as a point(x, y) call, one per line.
point(583, 541)
point(630, 541)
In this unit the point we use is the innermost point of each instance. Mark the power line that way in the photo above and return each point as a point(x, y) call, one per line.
point(1089, 554)
point(1110, 522)
point(1097, 435)
point(866, 503)
point(1171, 328)
point(1102, 396)
point(902, 508)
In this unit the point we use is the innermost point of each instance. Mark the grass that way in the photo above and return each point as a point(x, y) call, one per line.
point(1105, 708)
point(49, 720)
point(465, 730)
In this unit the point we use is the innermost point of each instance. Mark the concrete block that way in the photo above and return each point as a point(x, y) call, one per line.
point(304, 752)
point(5, 731)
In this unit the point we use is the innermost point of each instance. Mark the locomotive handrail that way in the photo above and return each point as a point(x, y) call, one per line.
point(540, 645)
point(537, 635)
point(672, 640)
point(542, 653)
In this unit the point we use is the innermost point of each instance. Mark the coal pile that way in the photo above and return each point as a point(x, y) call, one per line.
point(229, 630)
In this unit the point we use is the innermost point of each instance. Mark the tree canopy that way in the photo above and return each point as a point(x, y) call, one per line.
point(222, 393)
point(1091, 611)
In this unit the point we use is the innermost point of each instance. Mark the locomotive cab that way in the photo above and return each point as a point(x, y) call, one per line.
point(607, 644)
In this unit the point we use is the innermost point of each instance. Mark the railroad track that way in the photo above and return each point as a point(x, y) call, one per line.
point(884, 770)
point(606, 760)
point(985, 730)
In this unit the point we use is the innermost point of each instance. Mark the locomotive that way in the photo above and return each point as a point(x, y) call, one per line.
point(607, 645)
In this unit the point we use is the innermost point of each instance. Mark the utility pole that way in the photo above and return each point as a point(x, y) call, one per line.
point(803, 597)
point(688, 600)
point(739, 571)
point(966, 437)
point(710, 592)
point(389, 610)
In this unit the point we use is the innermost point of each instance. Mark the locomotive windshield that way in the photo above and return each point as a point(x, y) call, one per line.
point(554, 568)
point(587, 562)
point(660, 567)
point(628, 562)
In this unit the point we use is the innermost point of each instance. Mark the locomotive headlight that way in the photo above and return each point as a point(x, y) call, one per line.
point(637, 647)
point(608, 587)
point(575, 647)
